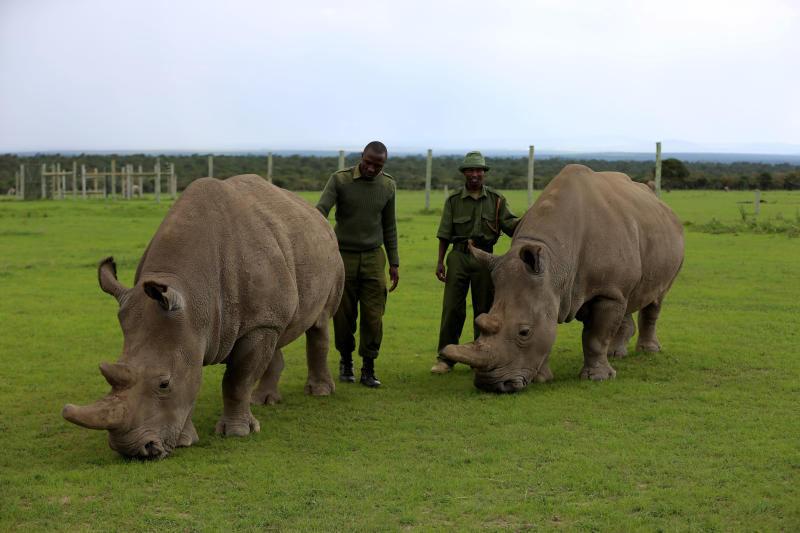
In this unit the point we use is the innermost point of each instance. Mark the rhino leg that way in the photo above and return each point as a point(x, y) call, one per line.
point(603, 319)
point(246, 363)
point(188, 434)
point(647, 327)
point(319, 382)
point(267, 391)
point(619, 344)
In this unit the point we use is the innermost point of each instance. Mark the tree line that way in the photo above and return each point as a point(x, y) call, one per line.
point(311, 172)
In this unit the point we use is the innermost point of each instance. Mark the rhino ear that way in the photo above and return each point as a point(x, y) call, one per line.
point(168, 298)
point(533, 257)
point(107, 275)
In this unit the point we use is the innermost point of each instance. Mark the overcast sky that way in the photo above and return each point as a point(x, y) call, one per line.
point(698, 75)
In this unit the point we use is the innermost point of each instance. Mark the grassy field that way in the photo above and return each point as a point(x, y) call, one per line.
point(704, 436)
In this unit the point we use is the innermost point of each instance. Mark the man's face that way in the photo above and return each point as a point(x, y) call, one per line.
point(371, 163)
point(474, 177)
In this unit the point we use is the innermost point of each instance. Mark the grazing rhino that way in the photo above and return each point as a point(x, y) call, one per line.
point(595, 246)
point(237, 269)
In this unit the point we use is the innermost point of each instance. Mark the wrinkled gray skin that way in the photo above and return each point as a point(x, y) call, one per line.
point(237, 269)
point(595, 246)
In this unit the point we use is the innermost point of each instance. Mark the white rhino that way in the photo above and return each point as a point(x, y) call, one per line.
point(595, 246)
point(237, 269)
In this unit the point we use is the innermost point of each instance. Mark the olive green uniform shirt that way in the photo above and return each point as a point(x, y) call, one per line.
point(481, 219)
point(365, 211)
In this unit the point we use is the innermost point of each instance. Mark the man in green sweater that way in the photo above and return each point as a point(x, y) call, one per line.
point(364, 197)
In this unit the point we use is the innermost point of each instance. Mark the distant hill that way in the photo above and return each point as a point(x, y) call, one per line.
point(310, 169)
point(689, 157)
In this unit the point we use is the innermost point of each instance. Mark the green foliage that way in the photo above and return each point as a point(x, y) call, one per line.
point(308, 172)
point(702, 436)
point(674, 173)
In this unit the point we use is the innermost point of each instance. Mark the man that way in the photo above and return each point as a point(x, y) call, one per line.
point(479, 213)
point(364, 197)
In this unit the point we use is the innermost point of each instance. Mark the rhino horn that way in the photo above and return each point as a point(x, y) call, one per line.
point(107, 275)
point(485, 258)
point(118, 375)
point(469, 354)
point(106, 413)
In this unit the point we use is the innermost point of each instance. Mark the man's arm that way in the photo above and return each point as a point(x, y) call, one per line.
point(445, 234)
point(440, 271)
point(328, 198)
point(507, 219)
point(389, 222)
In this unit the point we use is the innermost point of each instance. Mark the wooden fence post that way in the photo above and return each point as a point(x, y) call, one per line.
point(21, 189)
point(173, 181)
point(44, 178)
point(129, 169)
point(428, 167)
point(157, 184)
point(658, 170)
point(57, 179)
point(74, 179)
point(269, 167)
point(530, 176)
point(113, 179)
point(341, 159)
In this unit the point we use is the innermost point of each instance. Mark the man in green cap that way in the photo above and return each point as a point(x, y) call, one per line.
point(364, 197)
point(473, 212)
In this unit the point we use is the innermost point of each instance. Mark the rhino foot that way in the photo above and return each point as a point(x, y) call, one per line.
point(648, 345)
point(320, 387)
point(598, 373)
point(237, 428)
point(188, 435)
point(259, 397)
point(619, 352)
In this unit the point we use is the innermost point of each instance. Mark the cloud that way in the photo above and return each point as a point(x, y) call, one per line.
point(198, 75)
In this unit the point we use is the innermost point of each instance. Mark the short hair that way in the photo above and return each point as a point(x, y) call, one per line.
point(377, 147)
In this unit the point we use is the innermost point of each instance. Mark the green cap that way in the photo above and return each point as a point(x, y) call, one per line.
point(473, 160)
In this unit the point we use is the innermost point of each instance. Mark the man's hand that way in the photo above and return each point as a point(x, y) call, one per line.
point(440, 273)
point(394, 277)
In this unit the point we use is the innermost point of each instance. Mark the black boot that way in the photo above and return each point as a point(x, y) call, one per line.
point(368, 374)
point(346, 369)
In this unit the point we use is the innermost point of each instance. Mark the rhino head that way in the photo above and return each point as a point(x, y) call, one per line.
point(517, 334)
point(155, 382)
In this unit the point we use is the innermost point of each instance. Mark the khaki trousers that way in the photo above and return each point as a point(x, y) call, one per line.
point(364, 284)
point(463, 271)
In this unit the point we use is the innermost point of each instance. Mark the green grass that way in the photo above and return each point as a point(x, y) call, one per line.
point(703, 436)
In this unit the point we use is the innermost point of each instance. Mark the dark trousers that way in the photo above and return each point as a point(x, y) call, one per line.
point(463, 272)
point(364, 284)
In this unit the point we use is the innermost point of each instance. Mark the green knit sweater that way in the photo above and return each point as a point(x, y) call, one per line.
point(365, 216)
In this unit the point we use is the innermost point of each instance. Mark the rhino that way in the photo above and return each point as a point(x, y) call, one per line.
point(236, 270)
point(596, 247)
